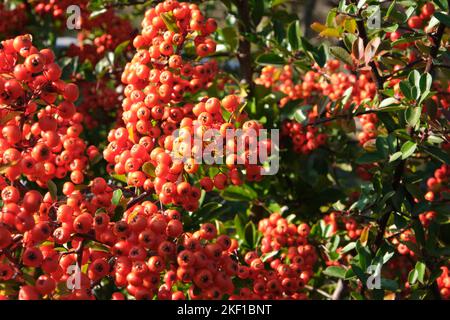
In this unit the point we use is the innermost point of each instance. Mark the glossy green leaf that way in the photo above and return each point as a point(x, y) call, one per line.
point(408, 148)
point(268, 59)
point(335, 271)
point(294, 35)
point(341, 54)
point(117, 196)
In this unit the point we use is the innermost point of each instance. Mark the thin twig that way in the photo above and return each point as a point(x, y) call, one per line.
point(323, 293)
point(340, 287)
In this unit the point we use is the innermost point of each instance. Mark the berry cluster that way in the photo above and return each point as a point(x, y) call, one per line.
point(369, 128)
point(99, 102)
point(401, 242)
point(418, 21)
point(12, 20)
point(444, 283)
point(438, 184)
point(148, 252)
point(97, 35)
point(159, 81)
point(399, 267)
point(41, 225)
point(41, 127)
point(414, 22)
point(147, 243)
point(339, 222)
point(57, 8)
point(281, 277)
point(327, 81)
point(92, 47)
point(427, 217)
point(304, 139)
point(363, 171)
point(313, 86)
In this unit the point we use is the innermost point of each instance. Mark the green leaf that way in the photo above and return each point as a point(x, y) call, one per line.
point(278, 2)
point(348, 247)
point(121, 47)
point(342, 55)
point(413, 276)
point(250, 233)
point(97, 13)
point(53, 189)
point(390, 9)
point(414, 78)
point(356, 295)
point(406, 38)
point(220, 227)
point(442, 17)
point(97, 246)
point(100, 210)
point(241, 193)
point(406, 89)
point(102, 67)
point(382, 144)
point(207, 210)
point(294, 35)
point(388, 102)
point(169, 21)
point(119, 177)
point(409, 12)
point(395, 156)
point(269, 255)
point(346, 95)
point(388, 284)
point(239, 226)
point(301, 114)
point(117, 196)
point(370, 158)
point(231, 38)
point(306, 45)
point(270, 59)
point(443, 4)
point(331, 17)
point(426, 80)
point(335, 243)
point(320, 56)
point(387, 256)
point(412, 115)
point(335, 271)
point(257, 11)
point(364, 255)
point(438, 154)
point(387, 121)
point(420, 268)
point(149, 169)
point(60, 249)
point(408, 149)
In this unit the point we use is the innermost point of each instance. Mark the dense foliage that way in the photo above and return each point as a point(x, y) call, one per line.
point(102, 198)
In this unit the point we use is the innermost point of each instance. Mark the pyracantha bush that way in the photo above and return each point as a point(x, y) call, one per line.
point(131, 161)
